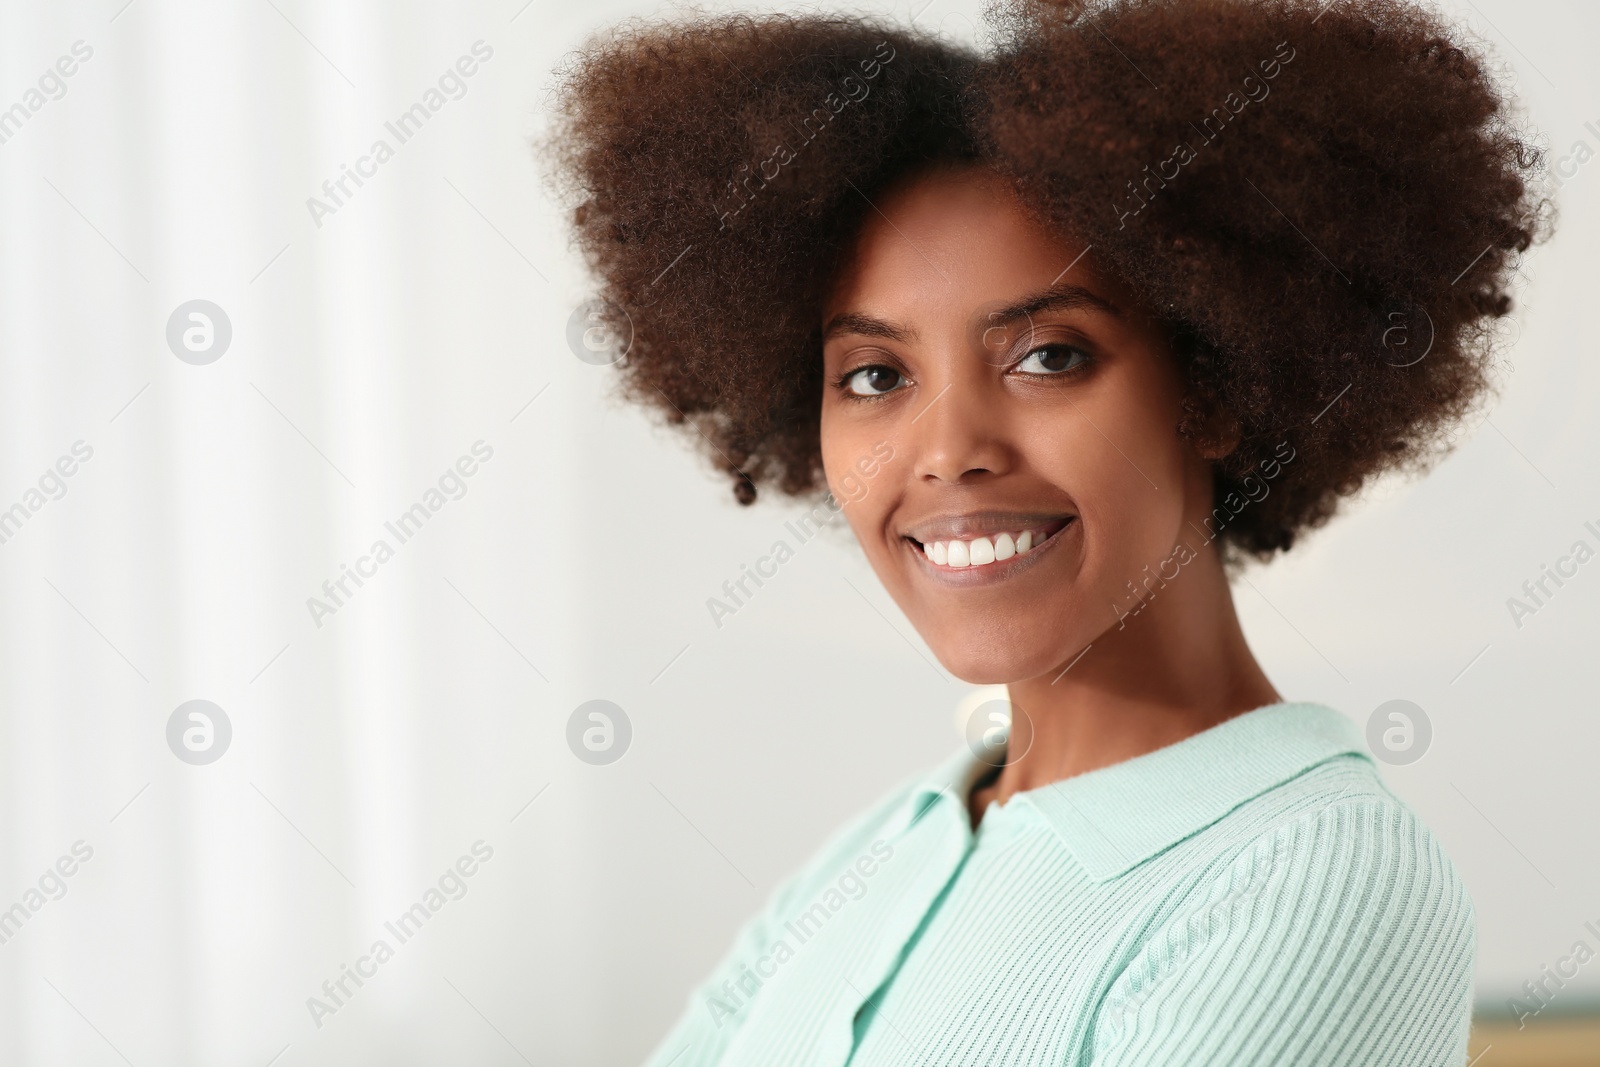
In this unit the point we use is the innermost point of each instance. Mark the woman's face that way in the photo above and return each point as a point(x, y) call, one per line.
point(1011, 416)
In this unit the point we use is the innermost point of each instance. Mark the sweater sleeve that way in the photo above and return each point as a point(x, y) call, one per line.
point(1343, 938)
point(713, 1015)
point(711, 1018)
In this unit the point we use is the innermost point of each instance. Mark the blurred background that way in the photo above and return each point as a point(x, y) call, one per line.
point(228, 767)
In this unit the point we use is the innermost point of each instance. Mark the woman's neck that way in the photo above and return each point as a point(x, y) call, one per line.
point(1179, 666)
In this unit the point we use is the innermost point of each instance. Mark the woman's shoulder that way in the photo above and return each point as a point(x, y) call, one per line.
point(1346, 800)
point(1337, 846)
point(1324, 913)
point(1288, 786)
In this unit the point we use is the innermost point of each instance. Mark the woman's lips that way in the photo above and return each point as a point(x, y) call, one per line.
point(999, 552)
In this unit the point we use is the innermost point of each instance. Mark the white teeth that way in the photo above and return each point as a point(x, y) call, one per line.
point(980, 551)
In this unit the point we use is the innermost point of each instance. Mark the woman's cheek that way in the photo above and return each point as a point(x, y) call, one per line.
point(1128, 524)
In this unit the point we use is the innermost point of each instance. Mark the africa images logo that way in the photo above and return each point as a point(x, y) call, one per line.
point(451, 85)
point(1539, 591)
point(452, 885)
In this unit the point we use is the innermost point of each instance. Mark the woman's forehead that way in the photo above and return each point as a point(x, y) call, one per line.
point(948, 240)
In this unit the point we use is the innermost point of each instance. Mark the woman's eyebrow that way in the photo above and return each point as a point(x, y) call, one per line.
point(1056, 298)
point(867, 326)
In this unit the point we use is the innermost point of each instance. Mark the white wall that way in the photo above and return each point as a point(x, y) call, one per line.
point(370, 753)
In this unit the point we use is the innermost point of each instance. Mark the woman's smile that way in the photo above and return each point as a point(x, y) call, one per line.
point(982, 558)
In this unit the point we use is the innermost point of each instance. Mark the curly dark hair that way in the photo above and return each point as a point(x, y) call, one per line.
point(1311, 195)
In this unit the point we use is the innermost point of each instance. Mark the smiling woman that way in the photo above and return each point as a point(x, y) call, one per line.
point(1084, 406)
point(1008, 452)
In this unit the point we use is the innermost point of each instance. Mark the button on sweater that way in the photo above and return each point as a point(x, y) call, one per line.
point(1252, 894)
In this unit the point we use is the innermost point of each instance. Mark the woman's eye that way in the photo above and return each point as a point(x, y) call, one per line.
point(1052, 359)
point(873, 381)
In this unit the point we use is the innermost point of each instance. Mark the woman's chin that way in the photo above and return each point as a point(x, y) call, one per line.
point(978, 663)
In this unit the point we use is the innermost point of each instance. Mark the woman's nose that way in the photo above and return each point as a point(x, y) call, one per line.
point(958, 435)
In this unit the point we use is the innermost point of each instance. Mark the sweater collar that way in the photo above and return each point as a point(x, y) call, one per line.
point(1114, 818)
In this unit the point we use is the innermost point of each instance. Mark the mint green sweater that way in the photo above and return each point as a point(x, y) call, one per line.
point(1253, 894)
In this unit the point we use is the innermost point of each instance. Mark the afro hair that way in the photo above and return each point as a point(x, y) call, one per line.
point(1324, 201)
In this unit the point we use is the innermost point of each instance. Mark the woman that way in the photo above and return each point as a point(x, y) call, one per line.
point(1074, 327)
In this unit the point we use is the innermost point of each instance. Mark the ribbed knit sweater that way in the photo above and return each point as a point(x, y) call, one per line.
point(1252, 894)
